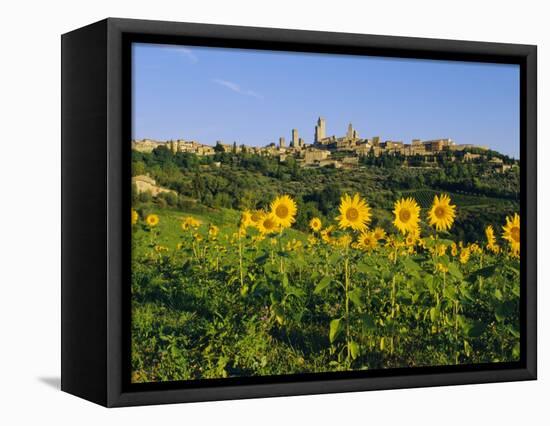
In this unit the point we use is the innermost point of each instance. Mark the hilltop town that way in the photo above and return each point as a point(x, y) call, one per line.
point(339, 152)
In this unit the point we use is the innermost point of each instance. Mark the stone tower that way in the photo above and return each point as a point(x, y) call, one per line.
point(294, 141)
point(320, 130)
point(282, 142)
point(349, 134)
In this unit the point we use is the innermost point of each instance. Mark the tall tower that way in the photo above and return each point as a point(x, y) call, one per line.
point(349, 134)
point(294, 140)
point(282, 142)
point(320, 130)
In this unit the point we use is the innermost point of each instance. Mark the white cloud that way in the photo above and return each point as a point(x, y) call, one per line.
point(189, 54)
point(237, 89)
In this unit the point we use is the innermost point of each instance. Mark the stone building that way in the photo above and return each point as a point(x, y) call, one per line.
point(320, 130)
point(146, 145)
point(314, 155)
point(294, 142)
point(145, 183)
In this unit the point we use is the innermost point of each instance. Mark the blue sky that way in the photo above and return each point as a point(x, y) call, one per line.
point(253, 97)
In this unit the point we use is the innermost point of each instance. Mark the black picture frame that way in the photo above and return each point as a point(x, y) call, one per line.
point(95, 290)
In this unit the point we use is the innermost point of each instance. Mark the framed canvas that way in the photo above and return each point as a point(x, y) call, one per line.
point(256, 212)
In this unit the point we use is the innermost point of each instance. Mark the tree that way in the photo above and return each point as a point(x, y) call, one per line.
point(219, 147)
point(138, 168)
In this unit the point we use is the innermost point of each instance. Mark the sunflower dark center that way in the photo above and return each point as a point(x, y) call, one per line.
point(439, 212)
point(352, 214)
point(281, 211)
point(404, 215)
point(515, 233)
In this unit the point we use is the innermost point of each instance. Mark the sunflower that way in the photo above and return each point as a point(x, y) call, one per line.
point(490, 234)
point(354, 213)
point(293, 245)
point(379, 233)
point(407, 215)
point(213, 231)
point(344, 241)
point(190, 222)
point(256, 216)
point(326, 234)
point(442, 268)
point(246, 219)
point(135, 217)
point(315, 224)
point(311, 240)
point(258, 238)
point(268, 224)
point(511, 233)
point(475, 248)
point(152, 220)
point(454, 249)
point(284, 210)
point(464, 255)
point(442, 214)
point(411, 239)
point(367, 241)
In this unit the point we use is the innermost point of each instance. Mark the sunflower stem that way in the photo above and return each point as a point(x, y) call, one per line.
point(241, 258)
point(347, 286)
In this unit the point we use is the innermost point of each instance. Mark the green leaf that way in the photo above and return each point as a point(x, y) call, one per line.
point(513, 331)
point(355, 296)
point(353, 349)
point(410, 264)
point(511, 269)
point(284, 280)
point(455, 271)
point(477, 329)
point(483, 272)
point(334, 258)
point(295, 291)
point(335, 329)
point(324, 283)
point(299, 261)
point(279, 313)
point(364, 268)
point(467, 348)
point(516, 351)
point(260, 260)
point(429, 280)
point(368, 322)
point(434, 314)
point(465, 291)
point(500, 312)
point(504, 310)
point(450, 292)
point(498, 294)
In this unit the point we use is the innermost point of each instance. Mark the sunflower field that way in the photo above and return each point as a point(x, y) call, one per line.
point(254, 296)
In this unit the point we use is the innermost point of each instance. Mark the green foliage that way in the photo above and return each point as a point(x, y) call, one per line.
point(211, 307)
point(248, 181)
point(224, 306)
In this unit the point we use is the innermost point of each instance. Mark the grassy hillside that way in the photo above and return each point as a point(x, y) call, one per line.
point(239, 300)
